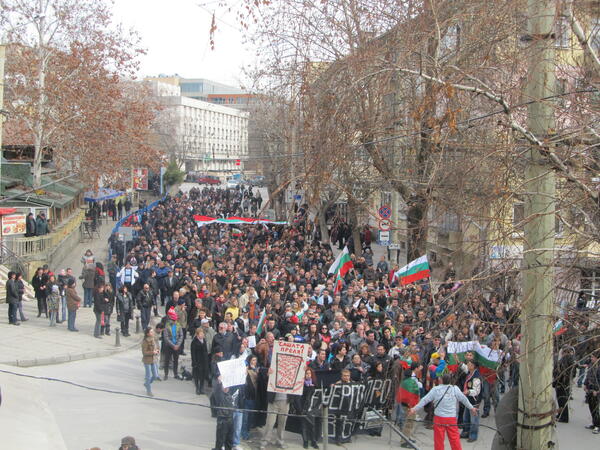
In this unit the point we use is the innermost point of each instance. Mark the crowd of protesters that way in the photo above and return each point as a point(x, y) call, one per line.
point(214, 283)
point(209, 286)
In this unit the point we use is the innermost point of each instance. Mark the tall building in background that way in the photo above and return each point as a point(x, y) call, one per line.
point(206, 137)
point(221, 94)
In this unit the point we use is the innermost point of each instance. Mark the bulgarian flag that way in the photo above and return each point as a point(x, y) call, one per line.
point(261, 322)
point(559, 328)
point(340, 267)
point(413, 271)
point(236, 232)
point(234, 220)
point(408, 392)
point(488, 359)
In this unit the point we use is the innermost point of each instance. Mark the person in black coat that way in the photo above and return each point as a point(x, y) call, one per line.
point(100, 308)
point(592, 390)
point(200, 361)
point(12, 298)
point(39, 287)
point(30, 226)
point(223, 404)
point(310, 424)
point(564, 372)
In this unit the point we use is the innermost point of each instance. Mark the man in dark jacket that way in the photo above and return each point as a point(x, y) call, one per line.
point(226, 341)
point(41, 225)
point(12, 298)
point(30, 226)
point(224, 404)
point(592, 391)
point(144, 301)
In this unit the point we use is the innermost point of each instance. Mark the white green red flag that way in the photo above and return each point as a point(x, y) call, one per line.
point(414, 271)
point(489, 360)
point(234, 220)
point(261, 321)
point(340, 267)
point(559, 327)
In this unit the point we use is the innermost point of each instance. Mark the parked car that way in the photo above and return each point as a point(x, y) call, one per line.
point(233, 183)
point(208, 179)
point(258, 181)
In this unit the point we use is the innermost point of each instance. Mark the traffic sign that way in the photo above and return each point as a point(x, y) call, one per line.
point(394, 246)
point(384, 237)
point(385, 224)
point(385, 212)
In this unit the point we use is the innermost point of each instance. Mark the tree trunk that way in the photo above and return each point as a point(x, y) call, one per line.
point(322, 218)
point(353, 223)
point(417, 227)
point(42, 55)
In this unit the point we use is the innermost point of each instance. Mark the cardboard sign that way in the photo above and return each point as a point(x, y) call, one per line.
point(288, 364)
point(233, 372)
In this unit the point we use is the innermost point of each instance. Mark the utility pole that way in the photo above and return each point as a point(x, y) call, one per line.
point(2, 58)
point(535, 427)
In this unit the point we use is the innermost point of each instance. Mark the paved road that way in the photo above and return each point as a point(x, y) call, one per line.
point(85, 418)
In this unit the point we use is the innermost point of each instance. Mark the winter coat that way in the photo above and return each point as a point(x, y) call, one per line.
point(73, 300)
point(52, 301)
point(41, 226)
point(88, 276)
point(148, 348)
point(199, 352)
point(12, 292)
point(30, 226)
point(125, 303)
point(100, 302)
point(169, 337)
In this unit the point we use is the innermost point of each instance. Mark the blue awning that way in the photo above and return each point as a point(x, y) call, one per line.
point(102, 194)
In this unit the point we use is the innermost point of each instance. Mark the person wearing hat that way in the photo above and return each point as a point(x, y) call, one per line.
point(243, 322)
point(128, 443)
point(172, 340)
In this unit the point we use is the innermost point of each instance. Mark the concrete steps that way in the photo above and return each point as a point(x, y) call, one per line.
point(29, 292)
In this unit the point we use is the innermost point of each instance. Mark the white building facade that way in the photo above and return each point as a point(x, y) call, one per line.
point(212, 138)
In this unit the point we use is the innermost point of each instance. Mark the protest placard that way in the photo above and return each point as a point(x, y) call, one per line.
point(288, 364)
point(233, 372)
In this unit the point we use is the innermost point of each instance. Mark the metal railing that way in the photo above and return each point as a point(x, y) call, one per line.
point(9, 259)
point(30, 247)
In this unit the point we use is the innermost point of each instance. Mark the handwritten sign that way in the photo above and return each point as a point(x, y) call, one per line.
point(288, 364)
point(233, 372)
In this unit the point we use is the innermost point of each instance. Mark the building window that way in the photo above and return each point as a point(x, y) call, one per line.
point(518, 216)
point(590, 284)
point(563, 33)
point(450, 222)
point(191, 87)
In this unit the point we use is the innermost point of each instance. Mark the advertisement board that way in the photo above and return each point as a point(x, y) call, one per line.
point(13, 224)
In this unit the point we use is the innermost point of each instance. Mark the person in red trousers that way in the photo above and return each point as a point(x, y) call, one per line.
point(445, 398)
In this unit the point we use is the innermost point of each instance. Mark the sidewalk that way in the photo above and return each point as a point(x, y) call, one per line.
point(34, 343)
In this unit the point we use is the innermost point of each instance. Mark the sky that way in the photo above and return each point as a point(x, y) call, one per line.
point(175, 34)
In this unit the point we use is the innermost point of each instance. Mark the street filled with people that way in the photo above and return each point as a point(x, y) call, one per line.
point(217, 292)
